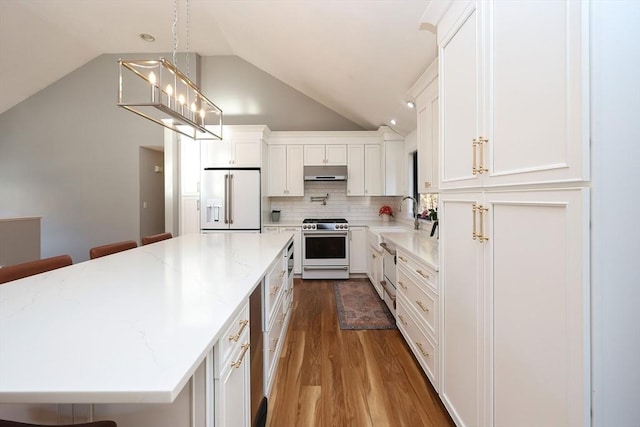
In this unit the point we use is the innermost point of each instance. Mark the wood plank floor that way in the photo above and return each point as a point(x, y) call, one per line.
point(330, 377)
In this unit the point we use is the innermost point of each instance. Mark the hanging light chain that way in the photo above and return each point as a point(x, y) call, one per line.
point(188, 25)
point(173, 31)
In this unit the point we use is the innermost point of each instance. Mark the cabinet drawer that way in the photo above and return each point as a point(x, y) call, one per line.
point(273, 287)
point(423, 301)
point(420, 271)
point(423, 348)
point(274, 338)
point(233, 334)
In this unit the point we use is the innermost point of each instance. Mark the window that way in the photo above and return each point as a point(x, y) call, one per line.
point(425, 201)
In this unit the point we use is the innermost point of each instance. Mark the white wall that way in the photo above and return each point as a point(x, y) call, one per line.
point(70, 155)
point(353, 208)
point(615, 235)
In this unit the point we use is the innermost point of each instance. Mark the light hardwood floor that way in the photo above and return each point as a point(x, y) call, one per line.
point(330, 377)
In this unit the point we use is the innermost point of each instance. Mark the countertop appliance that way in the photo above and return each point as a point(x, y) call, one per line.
point(325, 248)
point(230, 199)
point(389, 271)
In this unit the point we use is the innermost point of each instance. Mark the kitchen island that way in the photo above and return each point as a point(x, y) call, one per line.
point(129, 328)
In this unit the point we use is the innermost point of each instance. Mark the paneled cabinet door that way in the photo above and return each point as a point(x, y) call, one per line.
point(325, 155)
point(246, 152)
point(462, 384)
point(357, 250)
point(355, 169)
point(537, 269)
point(515, 298)
point(428, 138)
point(295, 170)
point(234, 388)
point(520, 119)
point(216, 153)
point(285, 171)
point(373, 170)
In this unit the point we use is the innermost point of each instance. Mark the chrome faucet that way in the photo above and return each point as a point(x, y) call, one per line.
point(416, 223)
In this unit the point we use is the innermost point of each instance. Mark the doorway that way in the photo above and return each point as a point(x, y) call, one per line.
point(151, 191)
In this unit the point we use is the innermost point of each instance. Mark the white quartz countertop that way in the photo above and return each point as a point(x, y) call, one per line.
point(418, 243)
point(129, 327)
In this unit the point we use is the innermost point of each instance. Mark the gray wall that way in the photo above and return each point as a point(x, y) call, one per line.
point(70, 155)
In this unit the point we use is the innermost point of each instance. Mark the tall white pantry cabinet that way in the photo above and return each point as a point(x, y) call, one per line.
point(531, 296)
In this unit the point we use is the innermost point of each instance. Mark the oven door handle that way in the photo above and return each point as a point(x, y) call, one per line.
point(326, 267)
point(386, 248)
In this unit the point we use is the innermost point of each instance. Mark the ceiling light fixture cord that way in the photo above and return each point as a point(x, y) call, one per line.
point(173, 31)
point(188, 25)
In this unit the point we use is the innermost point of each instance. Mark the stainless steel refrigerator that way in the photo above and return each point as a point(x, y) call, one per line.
point(230, 199)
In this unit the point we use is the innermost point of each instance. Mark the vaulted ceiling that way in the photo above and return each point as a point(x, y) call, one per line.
point(357, 57)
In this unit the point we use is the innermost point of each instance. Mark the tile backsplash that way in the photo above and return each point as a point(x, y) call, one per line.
point(353, 208)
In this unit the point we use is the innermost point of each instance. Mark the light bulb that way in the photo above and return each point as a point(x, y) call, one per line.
point(181, 99)
point(193, 106)
point(169, 90)
point(411, 104)
point(394, 122)
point(152, 78)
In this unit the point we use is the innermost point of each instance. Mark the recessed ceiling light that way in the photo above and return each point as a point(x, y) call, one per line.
point(411, 104)
point(393, 122)
point(147, 37)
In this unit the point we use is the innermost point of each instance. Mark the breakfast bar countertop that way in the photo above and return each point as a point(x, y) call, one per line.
point(128, 327)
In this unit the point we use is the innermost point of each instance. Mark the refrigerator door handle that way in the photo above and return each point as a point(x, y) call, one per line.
point(226, 198)
point(230, 199)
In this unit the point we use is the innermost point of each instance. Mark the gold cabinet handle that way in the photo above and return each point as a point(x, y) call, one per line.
point(403, 259)
point(275, 345)
point(238, 362)
point(422, 350)
point(236, 337)
point(422, 273)
point(282, 273)
point(474, 160)
point(474, 233)
point(482, 237)
point(402, 285)
point(481, 168)
point(282, 316)
point(404, 322)
point(427, 184)
point(274, 290)
point(421, 305)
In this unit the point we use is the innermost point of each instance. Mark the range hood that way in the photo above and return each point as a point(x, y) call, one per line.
point(325, 173)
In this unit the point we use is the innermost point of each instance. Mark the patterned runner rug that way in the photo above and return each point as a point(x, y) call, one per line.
point(360, 307)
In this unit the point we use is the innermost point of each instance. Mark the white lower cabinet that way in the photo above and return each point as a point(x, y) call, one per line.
point(232, 373)
point(417, 311)
point(278, 298)
point(357, 250)
point(515, 307)
point(374, 266)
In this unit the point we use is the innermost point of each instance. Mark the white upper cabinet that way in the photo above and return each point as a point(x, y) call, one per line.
point(241, 147)
point(355, 169)
point(366, 170)
point(395, 180)
point(325, 155)
point(428, 111)
point(373, 170)
point(512, 100)
point(286, 175)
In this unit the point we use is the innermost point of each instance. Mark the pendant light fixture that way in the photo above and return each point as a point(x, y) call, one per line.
point(157, 90)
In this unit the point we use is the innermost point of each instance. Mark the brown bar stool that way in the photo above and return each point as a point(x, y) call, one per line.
point(111, 248)
point(156, 238)
point(26, 269)
point(7, 423)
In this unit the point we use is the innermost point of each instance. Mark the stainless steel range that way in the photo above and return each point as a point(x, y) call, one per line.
point(325, 248)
